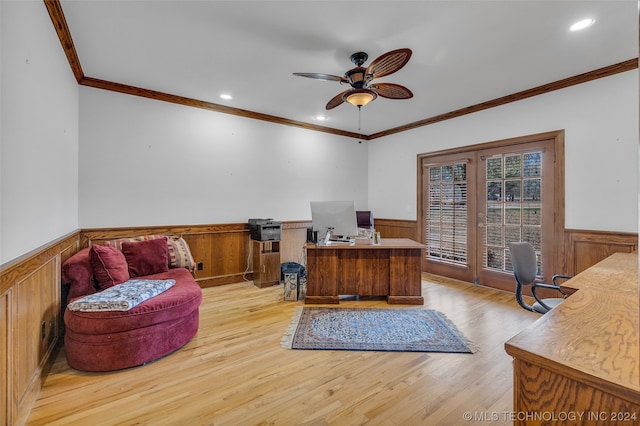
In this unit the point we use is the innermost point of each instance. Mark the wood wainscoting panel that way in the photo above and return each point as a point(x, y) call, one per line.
point(30, 324)
point(397, 228)
point(98, 235)
point(222, 252)
point(223, 256)
point(37, 307)
point(224, 249)
point(5, 368)
point(17, 270)
point(294, 237)
point(586, 248)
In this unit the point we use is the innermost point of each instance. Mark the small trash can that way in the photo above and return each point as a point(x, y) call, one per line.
point(294, 277)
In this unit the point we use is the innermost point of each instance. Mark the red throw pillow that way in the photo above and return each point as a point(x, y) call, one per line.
point(109, 266)
point(146, 257)
point(78, 273)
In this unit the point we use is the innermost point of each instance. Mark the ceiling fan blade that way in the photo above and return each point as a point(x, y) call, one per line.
point(389, 62)
point(319, 76)
point(336, 100)
point(392, 91)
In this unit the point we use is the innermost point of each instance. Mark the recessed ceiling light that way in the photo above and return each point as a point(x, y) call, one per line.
point(581, 25)
point(226, 96)
point(321, 117)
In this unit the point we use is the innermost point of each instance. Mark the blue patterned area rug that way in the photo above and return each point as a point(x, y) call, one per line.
point(374, 329)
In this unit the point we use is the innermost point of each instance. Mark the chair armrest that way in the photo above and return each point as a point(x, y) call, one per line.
point(555, 286)
point(535, 294)
point(535, 286)
point(549, 286)
point(560, 276)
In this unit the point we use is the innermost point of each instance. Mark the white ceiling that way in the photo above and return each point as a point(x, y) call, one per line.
point(464, 52)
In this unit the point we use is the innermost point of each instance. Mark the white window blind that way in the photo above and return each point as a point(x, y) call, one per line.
point(446, 212)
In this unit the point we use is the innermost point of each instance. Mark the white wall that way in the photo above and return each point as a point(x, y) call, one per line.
point(130, 161)
point(600, 119)
point(145, 162)
point(39, 134)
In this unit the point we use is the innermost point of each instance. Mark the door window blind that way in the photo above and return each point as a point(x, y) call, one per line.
point(446, 212)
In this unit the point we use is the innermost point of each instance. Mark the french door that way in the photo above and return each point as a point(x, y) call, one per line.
point(448, 211)
point(475, 202)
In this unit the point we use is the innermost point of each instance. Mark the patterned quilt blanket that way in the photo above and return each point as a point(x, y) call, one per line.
point(121, 297)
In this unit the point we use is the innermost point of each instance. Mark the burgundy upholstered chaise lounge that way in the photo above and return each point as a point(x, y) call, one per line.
point(112, 340)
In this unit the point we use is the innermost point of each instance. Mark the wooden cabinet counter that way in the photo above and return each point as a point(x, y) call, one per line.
point(583, 357)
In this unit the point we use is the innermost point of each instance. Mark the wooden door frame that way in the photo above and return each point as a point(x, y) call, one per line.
point(558, 241)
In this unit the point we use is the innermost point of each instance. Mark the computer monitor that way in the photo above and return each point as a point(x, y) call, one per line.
point(339, 217)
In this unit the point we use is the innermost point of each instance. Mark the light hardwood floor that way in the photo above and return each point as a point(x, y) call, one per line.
point(234, 372)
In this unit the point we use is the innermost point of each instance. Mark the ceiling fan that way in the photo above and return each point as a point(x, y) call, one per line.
point(362, 89)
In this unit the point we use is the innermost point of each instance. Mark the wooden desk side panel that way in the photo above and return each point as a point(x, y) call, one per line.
point(322, 286)
point(406, 273)
point(540, 393)
point(405, 267)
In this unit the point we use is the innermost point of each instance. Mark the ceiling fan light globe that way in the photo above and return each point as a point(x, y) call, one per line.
point(359, 97)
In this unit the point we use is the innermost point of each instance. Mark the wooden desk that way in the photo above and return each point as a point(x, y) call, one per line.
point(583, 357)
point(392, 269)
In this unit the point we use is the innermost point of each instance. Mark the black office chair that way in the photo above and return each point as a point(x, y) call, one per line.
point(523, 260)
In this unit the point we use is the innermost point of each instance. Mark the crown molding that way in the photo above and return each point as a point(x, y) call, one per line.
point(620, 67)
point(54, 8)
point(196, 103)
